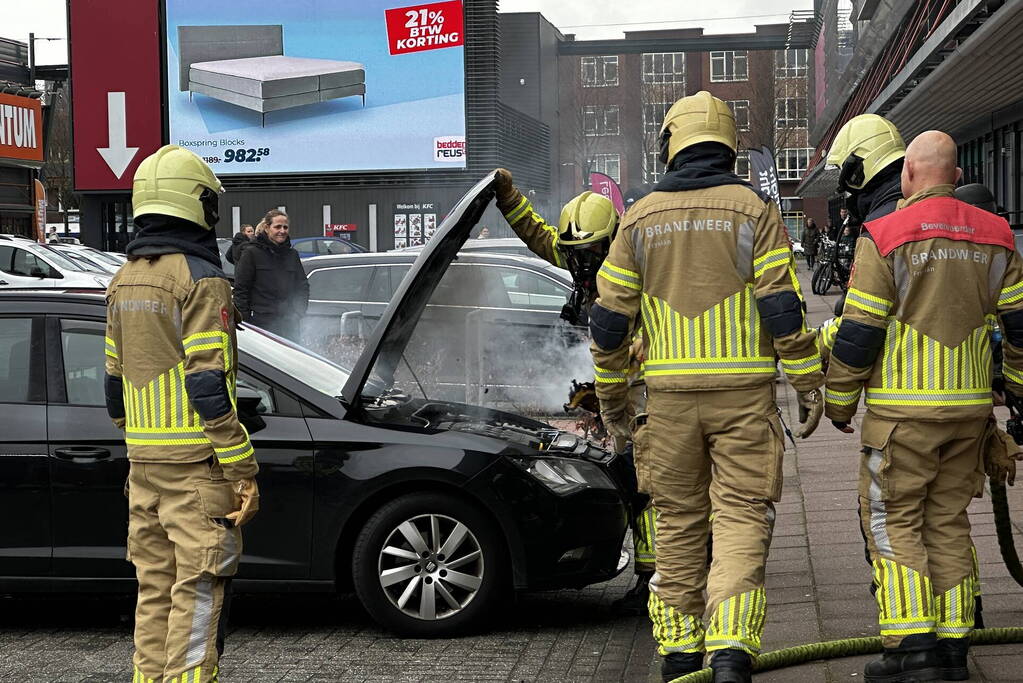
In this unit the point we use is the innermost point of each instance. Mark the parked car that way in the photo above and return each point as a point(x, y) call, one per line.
point(224, 245)
point(88, 257)
point(483, 296)
point(499, 245)
point(320, 246)
point(429, 509)
point(24, 263)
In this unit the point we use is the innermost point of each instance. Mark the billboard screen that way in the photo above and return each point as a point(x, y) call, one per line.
point(263, 86)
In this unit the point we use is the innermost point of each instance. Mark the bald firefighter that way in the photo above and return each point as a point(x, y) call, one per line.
point(927, 375)
point(705, 263)
point(580, 243)
point(171, 358)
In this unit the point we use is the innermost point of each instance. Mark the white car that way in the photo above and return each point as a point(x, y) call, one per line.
point(89, 258)
point(24, 263)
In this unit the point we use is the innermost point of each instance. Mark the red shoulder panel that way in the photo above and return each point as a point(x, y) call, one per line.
point(945, 217)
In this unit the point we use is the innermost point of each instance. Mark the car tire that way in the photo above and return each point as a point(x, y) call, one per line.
point(458, 540)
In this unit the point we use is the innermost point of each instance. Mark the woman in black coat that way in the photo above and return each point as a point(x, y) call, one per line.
point(270, 286)
point(241, 239)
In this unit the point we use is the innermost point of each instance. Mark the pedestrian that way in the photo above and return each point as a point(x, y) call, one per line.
point(270, 286)
point(241, 239)
point(927, 426)
point(580, 243)
point(811, 241)
point(718, 306)
point(484, 233)
point(830, 230)
point(171, 360)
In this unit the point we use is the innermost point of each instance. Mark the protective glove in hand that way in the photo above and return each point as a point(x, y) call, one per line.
point(248, 494)
point(843, 427)
point(811, 407)
point(503, 184)
point(615, 419)
point(1000, 458)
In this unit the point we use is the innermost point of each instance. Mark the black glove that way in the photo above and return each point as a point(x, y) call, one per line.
point(843, 427)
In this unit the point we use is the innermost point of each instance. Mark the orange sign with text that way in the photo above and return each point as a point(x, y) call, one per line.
point(21, 128)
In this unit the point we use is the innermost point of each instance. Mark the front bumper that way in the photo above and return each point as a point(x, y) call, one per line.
point(558, 541)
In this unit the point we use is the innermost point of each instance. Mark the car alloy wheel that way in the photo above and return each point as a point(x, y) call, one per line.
point(431, 566)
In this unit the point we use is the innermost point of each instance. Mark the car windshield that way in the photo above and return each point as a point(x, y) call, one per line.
point(55, 257)
point(294, 360)
point(104, 257)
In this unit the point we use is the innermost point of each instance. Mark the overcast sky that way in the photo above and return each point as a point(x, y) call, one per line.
point(588, 19)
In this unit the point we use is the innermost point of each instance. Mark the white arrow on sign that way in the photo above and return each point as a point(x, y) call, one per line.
point(118, 155)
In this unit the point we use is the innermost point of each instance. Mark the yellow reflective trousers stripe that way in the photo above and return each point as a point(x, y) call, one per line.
point(904, 599)
point(674, 631)
point(738, 622)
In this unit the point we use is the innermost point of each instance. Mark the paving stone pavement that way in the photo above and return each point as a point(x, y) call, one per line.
point(817, 590)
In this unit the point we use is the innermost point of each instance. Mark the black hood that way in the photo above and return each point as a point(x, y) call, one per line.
point(240, 238)
point(703, 165)
point(157, 234)
point(879, 198)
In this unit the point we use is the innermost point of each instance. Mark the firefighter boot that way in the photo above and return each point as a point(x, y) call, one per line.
point(915, 660)
point(678, 664)
point(952, 658)
point(635, 601)
point(732, 666)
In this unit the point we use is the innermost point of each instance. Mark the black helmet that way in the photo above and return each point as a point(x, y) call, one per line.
point(978, 195)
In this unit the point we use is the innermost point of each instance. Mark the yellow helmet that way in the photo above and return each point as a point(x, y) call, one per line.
point(697, 118)
point(176, 182)
point(586, 219)
point(864, 147)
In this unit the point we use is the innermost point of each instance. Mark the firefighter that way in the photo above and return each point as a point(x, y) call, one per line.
point(868, 153)
point(171, 358)
point(704, 262)
point(928, 398)
point(580, 243)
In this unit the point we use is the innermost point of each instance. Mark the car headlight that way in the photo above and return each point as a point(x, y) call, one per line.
point(564, 476)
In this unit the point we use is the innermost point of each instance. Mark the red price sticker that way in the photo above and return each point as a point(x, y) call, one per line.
point(425, 27)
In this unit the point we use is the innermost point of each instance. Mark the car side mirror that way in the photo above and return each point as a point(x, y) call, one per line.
point(36, 271)
point(248, 410)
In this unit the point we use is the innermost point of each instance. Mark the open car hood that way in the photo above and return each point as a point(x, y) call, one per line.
point(387, 343)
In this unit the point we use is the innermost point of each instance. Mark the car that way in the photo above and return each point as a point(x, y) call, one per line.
point(430, 510)
point(513, 299)
point(89, 257)
point(24, 263)
point(319, 246)
point(224, 246)
point(498, 245)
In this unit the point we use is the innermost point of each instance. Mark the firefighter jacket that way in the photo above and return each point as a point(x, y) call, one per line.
point(171, 359)
point(532, 229)
point(927, 283)
point(711, 275)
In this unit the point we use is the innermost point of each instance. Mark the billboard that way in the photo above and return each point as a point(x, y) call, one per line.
point(263, 86)
point(21, 129)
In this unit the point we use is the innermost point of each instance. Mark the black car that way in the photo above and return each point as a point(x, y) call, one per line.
point(494, 322)
point(429, 509)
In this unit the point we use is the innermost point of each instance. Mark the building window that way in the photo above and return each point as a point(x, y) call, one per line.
point(790, 63)
point(795, 223)
point(742, 164)
point(664, 67)
point(600, 120)
point(790, 112)
point(792, 162)
point(653, 170)
point(600, 72)
point(729, 65)
point(653, 116)
point(608, 164)
point(741, 110)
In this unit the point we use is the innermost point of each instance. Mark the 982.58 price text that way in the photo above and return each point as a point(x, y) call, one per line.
point(239, 156)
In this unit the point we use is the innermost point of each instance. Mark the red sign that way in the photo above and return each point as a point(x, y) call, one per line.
point(333, 229)
point(40, 202)
point(115, 89)
point(425, 27)
point(21, 128)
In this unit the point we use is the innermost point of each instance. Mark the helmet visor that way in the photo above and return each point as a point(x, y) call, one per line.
point(210, 201)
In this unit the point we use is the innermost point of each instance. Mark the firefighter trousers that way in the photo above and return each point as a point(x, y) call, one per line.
point(184, 556)
point(719, 450)
point(644, 532)
point(916, 481)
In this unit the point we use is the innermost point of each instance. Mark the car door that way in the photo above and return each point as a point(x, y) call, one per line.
point(25, 533)
point(382, 286)
point(16, 269)
point(88, 459)
point(333, 291)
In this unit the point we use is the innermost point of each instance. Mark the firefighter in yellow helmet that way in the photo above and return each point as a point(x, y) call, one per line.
point(868, 153)
point(580, 243)
point(704, 263)
point(171, 359)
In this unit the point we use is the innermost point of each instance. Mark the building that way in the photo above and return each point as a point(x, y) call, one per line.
point(953, 66)
point(21, 139)
point(613, 103)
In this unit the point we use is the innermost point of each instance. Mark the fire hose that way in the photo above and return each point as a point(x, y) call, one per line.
point(851, 647)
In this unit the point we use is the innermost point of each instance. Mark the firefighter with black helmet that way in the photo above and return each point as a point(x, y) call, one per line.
point(171, 360)
point(704, 263)
point(579, 243)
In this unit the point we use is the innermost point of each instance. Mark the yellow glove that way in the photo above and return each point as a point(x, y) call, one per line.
point(1000, 457)
point(248, 494)
point(811, 407)
point(503, 183)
